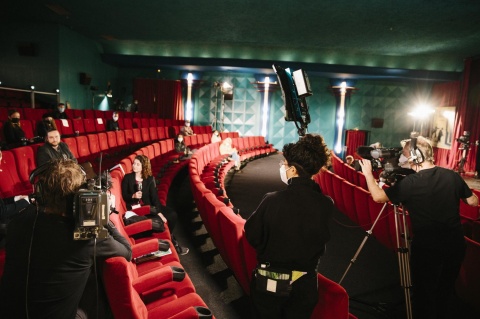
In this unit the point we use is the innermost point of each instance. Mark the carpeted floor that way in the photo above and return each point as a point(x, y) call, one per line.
point(372, 282)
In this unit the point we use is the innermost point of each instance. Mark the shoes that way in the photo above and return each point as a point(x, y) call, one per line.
point(182, 250)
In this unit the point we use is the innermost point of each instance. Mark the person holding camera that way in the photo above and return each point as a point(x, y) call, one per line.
point(139, 189)
point(46, 270)
point(289, 231)
point(432, 197)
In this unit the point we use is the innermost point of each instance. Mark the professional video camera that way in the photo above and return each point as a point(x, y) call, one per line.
point(379, 157)
point(90, 211)
point(385, 159)
point(464, 140)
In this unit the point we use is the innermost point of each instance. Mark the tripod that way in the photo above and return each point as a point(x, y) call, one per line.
point(461, 163)
point(403, 253)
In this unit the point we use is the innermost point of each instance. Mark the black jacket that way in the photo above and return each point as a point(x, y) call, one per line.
point(289, 229)
point(13, 133)
point(58, 265)
point(149, 191)
point(47, 153)
point(112, 125)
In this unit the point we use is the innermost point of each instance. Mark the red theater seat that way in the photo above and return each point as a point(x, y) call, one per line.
point(468, 279)
point(72, 145)
point(100, 124)
point(78, 126)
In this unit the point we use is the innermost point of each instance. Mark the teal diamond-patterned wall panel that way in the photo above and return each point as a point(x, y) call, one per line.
point(389, 100)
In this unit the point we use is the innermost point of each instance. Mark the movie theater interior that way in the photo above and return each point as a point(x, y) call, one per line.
point(366, 76)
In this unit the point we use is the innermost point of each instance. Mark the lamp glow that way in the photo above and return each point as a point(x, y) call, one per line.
point(189, 105)
point(265, 107)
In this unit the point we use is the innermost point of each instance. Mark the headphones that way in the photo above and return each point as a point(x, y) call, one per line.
point(38, 188)
point(416, 154)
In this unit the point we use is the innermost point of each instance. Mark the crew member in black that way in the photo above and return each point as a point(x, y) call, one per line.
point(289, 231)
point(53, 148)
point(432, 197)
point(46, 269)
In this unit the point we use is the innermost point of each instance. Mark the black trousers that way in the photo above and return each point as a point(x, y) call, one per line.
point(299, 305)
point(434, 271)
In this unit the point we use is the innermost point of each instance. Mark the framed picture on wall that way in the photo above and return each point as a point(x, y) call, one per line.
point(441, 131)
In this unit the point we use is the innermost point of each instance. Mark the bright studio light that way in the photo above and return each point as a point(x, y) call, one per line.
point(422, 111)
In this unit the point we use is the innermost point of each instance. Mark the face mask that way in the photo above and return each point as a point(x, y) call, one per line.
point(15, 120)
point(61, 109)
point(180, 140)
point(403, 162)
point(283, 174)
point(115, 118)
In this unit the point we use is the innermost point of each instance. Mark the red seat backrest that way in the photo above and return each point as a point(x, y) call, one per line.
point(72, 145)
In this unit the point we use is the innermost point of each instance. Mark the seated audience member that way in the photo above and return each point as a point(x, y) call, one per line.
point(139, 188)
point(53, 148)
point(12, 130)
point(59, 113)
point(226, 148)
point(180, 146)
point(46, 270)
point(112, 125)
point(46, 124)
point(349, 160)
point(215, 137)
point(186, 130)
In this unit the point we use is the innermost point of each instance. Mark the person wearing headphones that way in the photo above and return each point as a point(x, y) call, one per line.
point(46, 270)
point(432, 197)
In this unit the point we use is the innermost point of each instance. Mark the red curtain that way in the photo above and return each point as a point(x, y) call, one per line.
point(162, 97)
point(466, 97)
point(445, 94)
point(354, 139)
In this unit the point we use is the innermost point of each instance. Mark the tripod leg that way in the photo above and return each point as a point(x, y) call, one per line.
point(369, 232)
point(403, 255)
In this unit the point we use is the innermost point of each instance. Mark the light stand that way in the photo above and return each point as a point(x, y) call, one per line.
point(214, 120)
point(403, 253)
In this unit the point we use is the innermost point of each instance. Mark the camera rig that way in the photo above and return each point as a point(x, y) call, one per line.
point(464, 141)
point(90, 211)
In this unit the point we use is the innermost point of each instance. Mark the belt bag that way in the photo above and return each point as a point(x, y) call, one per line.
point(273, 281)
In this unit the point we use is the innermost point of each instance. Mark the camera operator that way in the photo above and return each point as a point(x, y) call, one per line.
point(46, 270)
point(289, 230)
point(431, 196)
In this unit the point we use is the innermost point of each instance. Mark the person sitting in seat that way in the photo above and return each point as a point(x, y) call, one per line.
point(139, 189)
point(226, 148)
point(46, 124)
point(187, 129)
point(14, 134)
point(215, 137)
point(112, 125)
point(53, 148)
point(59, 113)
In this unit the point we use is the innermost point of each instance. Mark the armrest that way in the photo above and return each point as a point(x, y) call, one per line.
point(143, 248)
point(194, 312)
point(142, 211)
point(157, 277)
point(138, 227)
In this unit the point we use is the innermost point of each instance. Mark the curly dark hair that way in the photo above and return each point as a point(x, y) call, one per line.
point(308, 155)
point(60, 179)
point(146, 166)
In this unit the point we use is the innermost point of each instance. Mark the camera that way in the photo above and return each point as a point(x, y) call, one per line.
point(464, 140)
point(379, 157)
point(90, 211)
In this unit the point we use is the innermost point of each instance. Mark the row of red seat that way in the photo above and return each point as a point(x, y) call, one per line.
point(207, 170)
point(146, 289)
point(37, 113)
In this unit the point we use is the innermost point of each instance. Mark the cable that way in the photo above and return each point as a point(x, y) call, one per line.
point(95, 273)
point(28, 264)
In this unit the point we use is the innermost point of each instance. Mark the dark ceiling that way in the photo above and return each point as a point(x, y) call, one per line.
point(363, 39)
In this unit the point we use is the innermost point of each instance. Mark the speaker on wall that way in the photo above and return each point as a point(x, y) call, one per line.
point(377, 123)
point(85, 79)
point(27, 49)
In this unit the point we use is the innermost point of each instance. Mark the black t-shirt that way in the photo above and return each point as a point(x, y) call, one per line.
point(57, 265)
point(432, 198)
point(289, 229)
